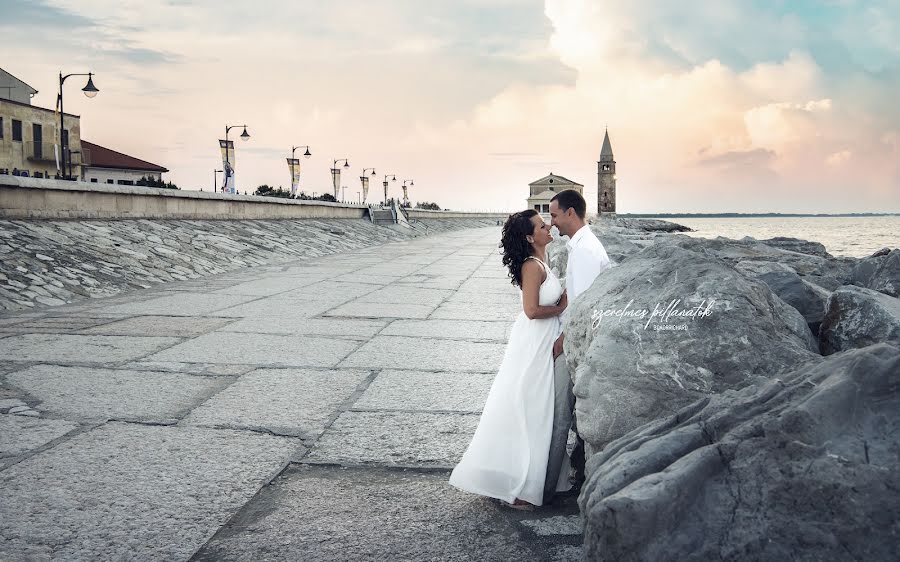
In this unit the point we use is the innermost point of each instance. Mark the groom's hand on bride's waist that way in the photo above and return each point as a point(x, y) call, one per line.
point(558, 346)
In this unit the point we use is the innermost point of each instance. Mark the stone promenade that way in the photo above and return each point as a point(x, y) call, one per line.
point(309, 410)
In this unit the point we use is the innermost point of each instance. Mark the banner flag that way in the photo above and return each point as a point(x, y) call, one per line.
point(227, 148)
point(294, 166)
point(336, 180)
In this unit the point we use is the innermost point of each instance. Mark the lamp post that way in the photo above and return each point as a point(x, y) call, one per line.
point(229, 169)
point(215, 179)
point(364, 180)
point(90, 91)
point(293, 161)
point(343, 194)
point(336, 175)
point(405, 197)
point(358, 198)
point(385, 184)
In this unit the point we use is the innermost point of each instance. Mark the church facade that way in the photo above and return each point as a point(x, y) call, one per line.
point(544, 189)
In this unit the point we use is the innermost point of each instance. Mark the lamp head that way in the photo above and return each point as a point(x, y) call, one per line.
point(245, 135)
point(307, 154)
point(90, 90)
point(346, 164)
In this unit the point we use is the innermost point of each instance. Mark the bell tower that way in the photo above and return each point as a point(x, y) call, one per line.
point(606, 180)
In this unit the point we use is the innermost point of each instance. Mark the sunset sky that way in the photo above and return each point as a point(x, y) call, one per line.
point(786, 106)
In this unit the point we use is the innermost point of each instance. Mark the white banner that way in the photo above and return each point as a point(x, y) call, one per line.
point(294, 165)
point(227, 148)
point(336, 180)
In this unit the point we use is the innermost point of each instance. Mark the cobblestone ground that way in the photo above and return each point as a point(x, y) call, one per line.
point(308, 410)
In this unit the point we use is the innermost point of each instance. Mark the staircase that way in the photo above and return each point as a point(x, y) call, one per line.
point(382, 216)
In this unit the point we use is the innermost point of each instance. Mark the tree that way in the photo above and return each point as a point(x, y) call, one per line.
point(428, 206)
point(269, 191)
point(327, 197)
point(152, 182)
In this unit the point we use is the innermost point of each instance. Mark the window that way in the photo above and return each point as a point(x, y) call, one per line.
point(16, 130)
point(606, 167)
point(93, 180)
point(37, 135)
point(537, 208)
point(110, 181)
point(546, 208)
point(125, 182)
point(1, 127)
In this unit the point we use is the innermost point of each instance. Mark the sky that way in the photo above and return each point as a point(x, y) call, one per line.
point(741, 106)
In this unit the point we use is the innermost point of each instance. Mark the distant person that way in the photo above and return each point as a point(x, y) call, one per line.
point(507, 457)
point(587, 259)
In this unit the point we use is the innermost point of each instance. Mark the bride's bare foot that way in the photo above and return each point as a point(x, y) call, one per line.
point(520, 505)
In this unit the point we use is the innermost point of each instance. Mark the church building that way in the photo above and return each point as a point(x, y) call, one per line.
point(606, 181)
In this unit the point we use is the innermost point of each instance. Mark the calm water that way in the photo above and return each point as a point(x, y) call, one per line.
point(842, 236)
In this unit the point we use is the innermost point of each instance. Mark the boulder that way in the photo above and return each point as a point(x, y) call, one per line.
point(886, 278)
point(647, 225)
point(802, 468)
point(858, 317)
point(807, 298)
point(632, 365)
point(797, 245)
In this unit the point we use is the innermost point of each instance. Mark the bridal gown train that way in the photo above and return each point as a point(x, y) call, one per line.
point(507, 457)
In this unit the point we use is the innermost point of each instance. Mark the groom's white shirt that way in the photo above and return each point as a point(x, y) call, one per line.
point(587, 259)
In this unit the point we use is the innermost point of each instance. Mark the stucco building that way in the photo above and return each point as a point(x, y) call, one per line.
point(544, 189)
point(104, 165)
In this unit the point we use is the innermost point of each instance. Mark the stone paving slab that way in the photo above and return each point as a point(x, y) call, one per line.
point(450, 329)
point(132, 492)
point(511, 300)
point(180, 304)
point(367, 279)
point(334, 327)
point(373, 515)
point(55, 324)
point(271, 285)
point(283, 306)
point(200, 369)
point(176, 326)
point(258, 349)
point(20, 434)
point(387, 352)
point(458, 392)
point(396, 438)
point(461, 310)
point(295, 402)
point(432, 282)
point(91, 394)
point(407, 294)
point(487, 285)
point(65, 348)
point(360, 309)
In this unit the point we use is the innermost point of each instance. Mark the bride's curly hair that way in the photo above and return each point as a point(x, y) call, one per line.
point(516, 248)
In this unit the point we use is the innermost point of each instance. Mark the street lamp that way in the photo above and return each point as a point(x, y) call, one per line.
point(364, 180)
point(90, 91)
point(229, 169)
point(385, 184)
point(336, 175)
point(293, 161)
point(405, 197)
point(215, 179)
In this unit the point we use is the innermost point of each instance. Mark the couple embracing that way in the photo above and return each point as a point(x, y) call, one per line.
point(518, 454)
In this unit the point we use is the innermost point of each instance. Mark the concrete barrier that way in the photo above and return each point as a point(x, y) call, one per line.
point(24, 198)
point(426, 214)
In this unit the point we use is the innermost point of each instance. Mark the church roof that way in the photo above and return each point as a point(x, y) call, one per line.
point(607, 148)
point(555, 180)
point(545, 195)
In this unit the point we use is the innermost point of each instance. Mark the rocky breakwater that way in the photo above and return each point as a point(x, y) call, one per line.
point(54, 262)
point(715, 381)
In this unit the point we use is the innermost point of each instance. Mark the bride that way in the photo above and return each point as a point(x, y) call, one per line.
point(507, 458)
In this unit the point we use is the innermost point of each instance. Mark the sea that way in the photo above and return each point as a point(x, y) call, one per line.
point(842, 236)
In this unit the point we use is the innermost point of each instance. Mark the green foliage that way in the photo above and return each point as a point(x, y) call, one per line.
point(151, 182)
point(428, 206)
point(268, 191)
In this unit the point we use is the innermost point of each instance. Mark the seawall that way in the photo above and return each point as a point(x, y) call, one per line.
point(64, 241)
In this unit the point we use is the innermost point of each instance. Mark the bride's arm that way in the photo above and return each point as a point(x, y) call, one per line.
point(532, 277)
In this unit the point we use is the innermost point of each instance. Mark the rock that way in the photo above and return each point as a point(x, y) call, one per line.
point(858, 317)
point(807, 298)
point(797, 245)
point(804, 469)
point(882, 252)
point(886, 278)
point(646, 225)
point(628, 370)
point(755, 268)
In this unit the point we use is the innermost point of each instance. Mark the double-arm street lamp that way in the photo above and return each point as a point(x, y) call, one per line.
point(229, 167)
point(364, 179)
point(385, 184)
point(292, 162)
point(405, 197)
point(90, 91)
point(336, 175)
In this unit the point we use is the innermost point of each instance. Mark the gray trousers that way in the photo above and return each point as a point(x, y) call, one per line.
point(563, 420)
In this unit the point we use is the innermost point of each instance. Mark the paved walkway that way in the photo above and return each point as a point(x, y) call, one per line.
point(304, 411)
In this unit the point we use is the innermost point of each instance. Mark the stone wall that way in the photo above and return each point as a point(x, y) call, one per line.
point(53, 262)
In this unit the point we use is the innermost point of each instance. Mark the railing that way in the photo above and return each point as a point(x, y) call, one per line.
point(46, 152)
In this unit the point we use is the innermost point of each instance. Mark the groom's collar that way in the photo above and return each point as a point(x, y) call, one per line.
point(577, 236)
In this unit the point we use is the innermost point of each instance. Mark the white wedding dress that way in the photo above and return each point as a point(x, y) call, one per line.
point(507, 458)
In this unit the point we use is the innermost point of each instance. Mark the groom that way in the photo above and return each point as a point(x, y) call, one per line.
point(587, 258)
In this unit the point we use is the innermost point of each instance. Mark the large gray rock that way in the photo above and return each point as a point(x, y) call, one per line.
point(647, 225)
point(808, 298)
point(632, 369)
point(886, 278)
point(857, 317)
point(804, 469)
point(797, 245)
